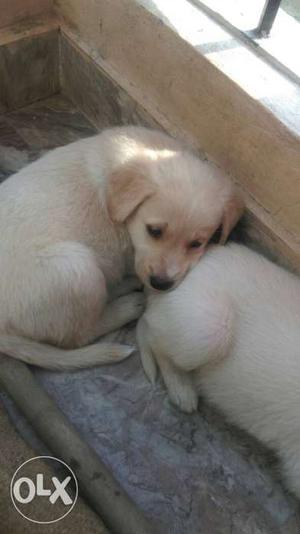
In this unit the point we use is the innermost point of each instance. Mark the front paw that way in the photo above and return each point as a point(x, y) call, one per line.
point(132, 305)
point(185, 398)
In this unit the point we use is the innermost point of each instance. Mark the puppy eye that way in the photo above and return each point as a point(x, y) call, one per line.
point(195, 244)
point(154, 231)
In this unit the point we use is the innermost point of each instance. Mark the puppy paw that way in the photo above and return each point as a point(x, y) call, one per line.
point(149, 366)
point(131, 306)
point(185, 398)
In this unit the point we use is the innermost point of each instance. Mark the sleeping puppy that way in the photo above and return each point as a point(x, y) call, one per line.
point(232, 332)
point(75, 223)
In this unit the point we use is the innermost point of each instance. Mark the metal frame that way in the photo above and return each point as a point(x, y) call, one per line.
point(249, 37)
point(265, 23)
point(267, 18)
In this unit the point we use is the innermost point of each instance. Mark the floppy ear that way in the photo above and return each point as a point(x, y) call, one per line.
point(127, 189)
point(233, 211)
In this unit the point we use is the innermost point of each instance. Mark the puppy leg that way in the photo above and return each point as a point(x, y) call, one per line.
point(180, 385)
point(147, 358)
point(206, 344)
point(121, 311)
point(182, 344)
point(125, 304)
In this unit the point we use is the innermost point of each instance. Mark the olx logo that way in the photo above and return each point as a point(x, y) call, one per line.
point(39, 495)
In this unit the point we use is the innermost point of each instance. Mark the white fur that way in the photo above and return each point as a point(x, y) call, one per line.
point(232, 331)
point(71, 227)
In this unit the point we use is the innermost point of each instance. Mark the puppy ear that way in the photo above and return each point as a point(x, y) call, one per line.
point(233, 211)
point(127, 189)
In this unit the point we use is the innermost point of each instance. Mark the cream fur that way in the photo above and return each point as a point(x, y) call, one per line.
point(72, 226)
point(232, 331)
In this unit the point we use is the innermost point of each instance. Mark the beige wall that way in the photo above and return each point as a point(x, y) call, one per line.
point(15, 11)
point(179, 86)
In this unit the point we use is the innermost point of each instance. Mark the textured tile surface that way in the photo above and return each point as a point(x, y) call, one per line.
point(28, 70)
point(190, 474)
point(27, 133)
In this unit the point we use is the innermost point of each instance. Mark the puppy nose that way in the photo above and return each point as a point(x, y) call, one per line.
point(161, 283)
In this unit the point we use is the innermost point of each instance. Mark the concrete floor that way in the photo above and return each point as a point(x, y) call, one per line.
point(190, 474)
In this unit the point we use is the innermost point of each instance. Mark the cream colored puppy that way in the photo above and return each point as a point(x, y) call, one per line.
point(232, 332)
point(74, 223)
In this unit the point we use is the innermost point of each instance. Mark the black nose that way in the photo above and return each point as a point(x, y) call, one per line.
point(161, 283)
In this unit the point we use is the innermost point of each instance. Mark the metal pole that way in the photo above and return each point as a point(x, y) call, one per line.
point(95, 481)
point(267, 18)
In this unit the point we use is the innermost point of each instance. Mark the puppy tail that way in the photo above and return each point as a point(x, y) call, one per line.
point(49, 357)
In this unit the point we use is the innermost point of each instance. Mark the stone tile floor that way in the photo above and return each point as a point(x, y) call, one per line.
point(27, 133)
point(190, 474)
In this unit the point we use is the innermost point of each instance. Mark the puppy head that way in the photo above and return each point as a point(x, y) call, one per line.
point(171, 205)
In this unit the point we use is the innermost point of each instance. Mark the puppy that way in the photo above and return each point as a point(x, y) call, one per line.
point(232, 332)
point(76, 222)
